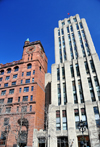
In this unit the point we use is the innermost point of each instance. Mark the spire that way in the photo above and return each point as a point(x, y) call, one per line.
point(27, 39)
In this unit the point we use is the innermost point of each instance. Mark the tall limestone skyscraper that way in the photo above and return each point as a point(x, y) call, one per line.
point(75, 87)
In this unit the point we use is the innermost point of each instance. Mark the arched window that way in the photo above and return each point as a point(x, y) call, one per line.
point(29, 66)
point(9, 70)
point(16, 68)
point(1, 72)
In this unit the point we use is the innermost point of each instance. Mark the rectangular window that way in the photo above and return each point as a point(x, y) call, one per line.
point(17, 108)
point(27, 81)
point(6, 121)
point(77, 70)
point(31, 98)
point(72, 71)
point(25, 98)
point(58, 32)
point(58, 125)
point(80, 25)
point(7, 78)
point(21, 82)
point(33, 72)
point(68, 21)
point(64, 119)
point(14, 76)
point(62, 32)
point(83, 116)
point(63, 23)
point(8, 109)
point(28, 73)
point(24, 109)
point(74, 92)
point(63, 73)
point(80, 91)
point(64, 93)
point(96, 81)
point(0, 79)
point(76, 113)
point(32, 80)
point(58, 74)
point(18, 99)
point(90, 83)
point(75, 20)
point(67, 29)
point(77, 27)
point(11, 91)
point(30, 108)
point(1, 101)
point(26, 89)
point(6, 85)
point(32, 88)
point(86, 67)
point(22, 74)
point(3, 92)
point(92, 95)
point(92, 66)
point(14, 83)
point(71, 28)
point(10, 100)
point(59, 94)
point(20, 90)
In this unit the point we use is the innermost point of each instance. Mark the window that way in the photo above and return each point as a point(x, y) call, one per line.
point(86, 67)
point(74, 92)
point(14, 83)
point(30, 108)
point(92, 66)
point(32, 88)
point(22, 74)
point(28, 73)
point(80, 25)
point(25, 98)
point(29, 66)
point(62, 142)
point(1, 101)
point(90, 83)
point(63, 73)
point(33, 72)
point(77, 70)
point(32, 80)
point(26, 89)
point(3, 92)
point(9, 70)
point(68, 21)
point(14, 76)
point(75, 19)
point(18, 99)
point(76, 113)
point(62, 32)
point(40, 68)
point(77, 27)
point(96, 81)
point(27, 81)
point(92, 95)
point(83, 116)
point(6, 121)
point(31, 98)
point(16, 68)
point(7, 78)
point(58, 120)
point(8, 109)
point(71, 28)
point(72, 71)
point(59, 94)
point(58, 74)
point(21, 82)
point(6, 85)
point(17, 108)
point(11, 91)
point(10, 100)
point(0, 79)
point(80, 91)
point(24, 109)
point(67, 29)
point(64, 93)
point(20, 90)
point(41, 142)
point(63, 23)
point(58, 32)
point(1, 72)
point(64, 119)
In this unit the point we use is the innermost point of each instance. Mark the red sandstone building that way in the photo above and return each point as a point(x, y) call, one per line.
point(22, 96)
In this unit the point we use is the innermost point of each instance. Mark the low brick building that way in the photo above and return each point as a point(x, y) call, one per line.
point(22, 96)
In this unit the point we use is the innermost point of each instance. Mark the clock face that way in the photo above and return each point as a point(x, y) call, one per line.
point(30, 49)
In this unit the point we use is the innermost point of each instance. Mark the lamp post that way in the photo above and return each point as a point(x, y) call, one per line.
point(82, 128)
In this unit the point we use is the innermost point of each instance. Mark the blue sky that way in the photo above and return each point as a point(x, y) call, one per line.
point(36, 19)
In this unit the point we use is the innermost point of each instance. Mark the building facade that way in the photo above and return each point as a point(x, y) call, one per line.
point(75, 88)
point(22, 94)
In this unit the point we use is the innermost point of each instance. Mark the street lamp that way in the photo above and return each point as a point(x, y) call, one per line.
point(82, 128)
